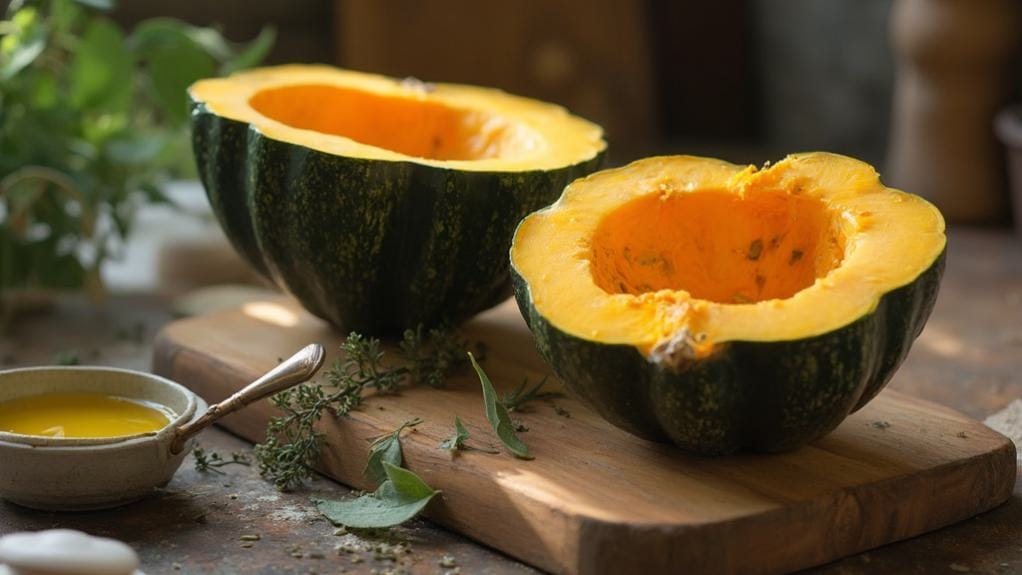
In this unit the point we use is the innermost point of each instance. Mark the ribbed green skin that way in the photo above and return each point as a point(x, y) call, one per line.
point(761, 396)
point(371, 246)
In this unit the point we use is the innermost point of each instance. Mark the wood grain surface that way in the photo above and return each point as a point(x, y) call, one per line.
point(597, 500)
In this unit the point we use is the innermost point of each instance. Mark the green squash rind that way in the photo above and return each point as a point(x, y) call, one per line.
point(761, 396)
point(371, 246)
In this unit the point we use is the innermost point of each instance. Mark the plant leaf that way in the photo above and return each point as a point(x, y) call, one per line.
point(400, 498)
point(406, 485)
point(21, 48)
point(173, 68)
point(102, 69)
point(210, 40)
point(456, 441)
point(386, 449)
point(97, 4)
point(154, 33)
point(136, 147)
point(253, 53)
point(497, 414)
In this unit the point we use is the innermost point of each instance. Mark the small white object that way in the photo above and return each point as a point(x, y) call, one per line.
point(65, 552)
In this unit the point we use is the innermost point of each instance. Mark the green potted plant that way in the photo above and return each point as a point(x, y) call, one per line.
point(92, 123)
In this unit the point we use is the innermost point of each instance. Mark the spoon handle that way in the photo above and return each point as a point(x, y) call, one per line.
point(298, 368)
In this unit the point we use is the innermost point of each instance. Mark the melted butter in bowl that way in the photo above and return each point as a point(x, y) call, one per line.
point(91, 415)
point(89, 437)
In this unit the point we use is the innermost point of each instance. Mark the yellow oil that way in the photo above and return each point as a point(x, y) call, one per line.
point(82, 415)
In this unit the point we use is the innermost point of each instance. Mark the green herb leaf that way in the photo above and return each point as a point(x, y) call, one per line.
point(386, 449)
point(497, 414)
point(400, 498)
point(456, 441)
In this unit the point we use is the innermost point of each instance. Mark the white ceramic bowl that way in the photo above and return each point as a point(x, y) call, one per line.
point(57, 473)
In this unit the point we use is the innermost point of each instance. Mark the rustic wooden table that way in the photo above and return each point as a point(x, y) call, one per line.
point(969, 357)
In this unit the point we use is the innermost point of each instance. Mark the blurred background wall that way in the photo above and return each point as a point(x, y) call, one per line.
point(745, 80)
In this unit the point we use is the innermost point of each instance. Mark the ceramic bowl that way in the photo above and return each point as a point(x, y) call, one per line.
point(64, 474)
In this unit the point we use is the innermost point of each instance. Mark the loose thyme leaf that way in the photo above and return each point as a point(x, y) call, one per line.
point(400, 498)
point(521, 395)
point(386, 449)
point(497, 414)
point(456, 441)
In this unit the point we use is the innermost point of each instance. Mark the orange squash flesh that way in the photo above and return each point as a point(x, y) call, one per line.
point(716, 246)
point(414, 127)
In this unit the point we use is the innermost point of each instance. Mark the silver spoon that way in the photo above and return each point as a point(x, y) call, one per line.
point(298, 368)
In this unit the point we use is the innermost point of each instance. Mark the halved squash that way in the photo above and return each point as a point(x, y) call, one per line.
point(721, 306)
point(381, 204)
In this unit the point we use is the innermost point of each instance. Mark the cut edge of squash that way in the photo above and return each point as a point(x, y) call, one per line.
point(889, 239)
point(464, 128)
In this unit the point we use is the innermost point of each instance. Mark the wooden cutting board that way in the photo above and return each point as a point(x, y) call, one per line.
point(598, 500)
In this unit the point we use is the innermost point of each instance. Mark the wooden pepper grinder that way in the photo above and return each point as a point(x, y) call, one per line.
point(953, 62)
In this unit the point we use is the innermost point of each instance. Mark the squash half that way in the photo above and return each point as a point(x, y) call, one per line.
point(381, 204)
point(725, 307)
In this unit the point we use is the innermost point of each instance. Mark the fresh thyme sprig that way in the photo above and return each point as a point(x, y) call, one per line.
point(431, 357)
point(293, 447)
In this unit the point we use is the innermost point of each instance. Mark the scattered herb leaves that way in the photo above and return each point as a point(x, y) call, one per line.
point(517, 399)
point(292, 447)
point(498, 417)
point(398, 499)
point(386, 448)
